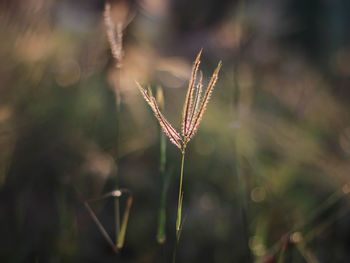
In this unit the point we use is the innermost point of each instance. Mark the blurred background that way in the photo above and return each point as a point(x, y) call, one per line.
point(267, 176)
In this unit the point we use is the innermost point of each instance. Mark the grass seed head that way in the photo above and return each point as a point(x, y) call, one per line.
point(115, 35)
point(193, 109)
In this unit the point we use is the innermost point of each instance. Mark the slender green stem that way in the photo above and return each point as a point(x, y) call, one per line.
point(162, 152)
point(161, 233)
point(117, 219)
point(237, 170)
point(161, 236)
point(283, 250)
point(179, 204)
point(175, 250)
point(121, 237)
point(117, 207)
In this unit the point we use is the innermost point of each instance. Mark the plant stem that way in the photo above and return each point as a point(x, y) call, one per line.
point(117, 207)
point(161, 236)
point(237, 170)
point(175, 249)
point(117, 220)
point(179, 204)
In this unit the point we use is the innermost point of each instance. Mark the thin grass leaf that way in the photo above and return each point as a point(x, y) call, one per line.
point(189, 96)
point(100, 227)
point(121, 237)
point(181, 227)
point(306, 253)
point(179, 214)
point(283, 250)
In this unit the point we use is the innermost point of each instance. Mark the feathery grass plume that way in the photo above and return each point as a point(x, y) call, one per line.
point(167, 128)
point(189, 96)
point(169, 131)
point(193, 109)
point(192, 114)
point(205, 101)
point(115, 36)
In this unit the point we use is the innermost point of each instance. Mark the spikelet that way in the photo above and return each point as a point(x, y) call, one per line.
point(173, 133)
point(164, 124)
point(189, 96)
point(115, 40)
point(144, 94)
point(166, 127)
point(203, 106)
point(197, 98)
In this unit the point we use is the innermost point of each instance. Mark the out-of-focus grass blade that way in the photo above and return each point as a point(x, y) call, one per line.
point(124, 225)
point(178, 220)
point(306, 253)
point(117, 219)
point(100, 227)
point(120, 234)
point(161, 234)
point(283, 250)
point(318, 228)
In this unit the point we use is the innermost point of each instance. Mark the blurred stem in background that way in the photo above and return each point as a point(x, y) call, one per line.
point(242, 191)
point(236, 170)
point(161, 233)
point(121, 235)
point(301, 235)
point(117, 206)
point(115, 38)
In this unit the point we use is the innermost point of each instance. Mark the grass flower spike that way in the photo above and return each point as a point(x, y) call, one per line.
point(169, 131)
point(115, 35)
point(193, 109)
point(192, 114)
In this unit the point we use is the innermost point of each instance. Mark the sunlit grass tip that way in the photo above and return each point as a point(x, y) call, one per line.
point(193, 109)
